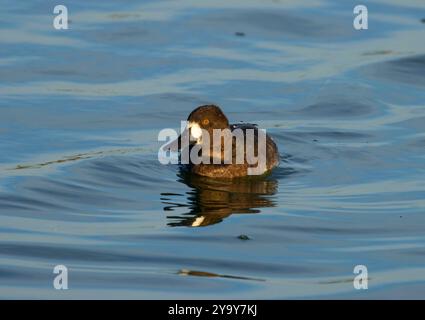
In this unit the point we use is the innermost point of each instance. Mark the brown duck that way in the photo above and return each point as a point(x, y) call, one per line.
point(205, 119)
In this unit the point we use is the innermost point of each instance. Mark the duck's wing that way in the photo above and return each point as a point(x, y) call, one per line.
point(271, 147)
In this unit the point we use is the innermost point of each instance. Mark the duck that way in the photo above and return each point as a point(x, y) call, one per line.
point(258, 156)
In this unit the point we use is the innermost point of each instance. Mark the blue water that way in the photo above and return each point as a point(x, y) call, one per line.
point(81, 185)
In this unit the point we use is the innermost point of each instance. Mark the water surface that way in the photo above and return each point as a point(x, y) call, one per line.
point(81, 185)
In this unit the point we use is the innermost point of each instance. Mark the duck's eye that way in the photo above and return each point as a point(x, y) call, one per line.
point(205, 122)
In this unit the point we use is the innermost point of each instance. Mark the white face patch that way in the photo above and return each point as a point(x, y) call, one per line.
point(195, 130)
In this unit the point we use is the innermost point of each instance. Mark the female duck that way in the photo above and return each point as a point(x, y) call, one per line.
point(218, 149)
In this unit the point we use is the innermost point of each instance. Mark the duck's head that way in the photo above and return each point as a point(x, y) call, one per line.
point(207, 117)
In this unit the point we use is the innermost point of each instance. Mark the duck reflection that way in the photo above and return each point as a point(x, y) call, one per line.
point(212, 200)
